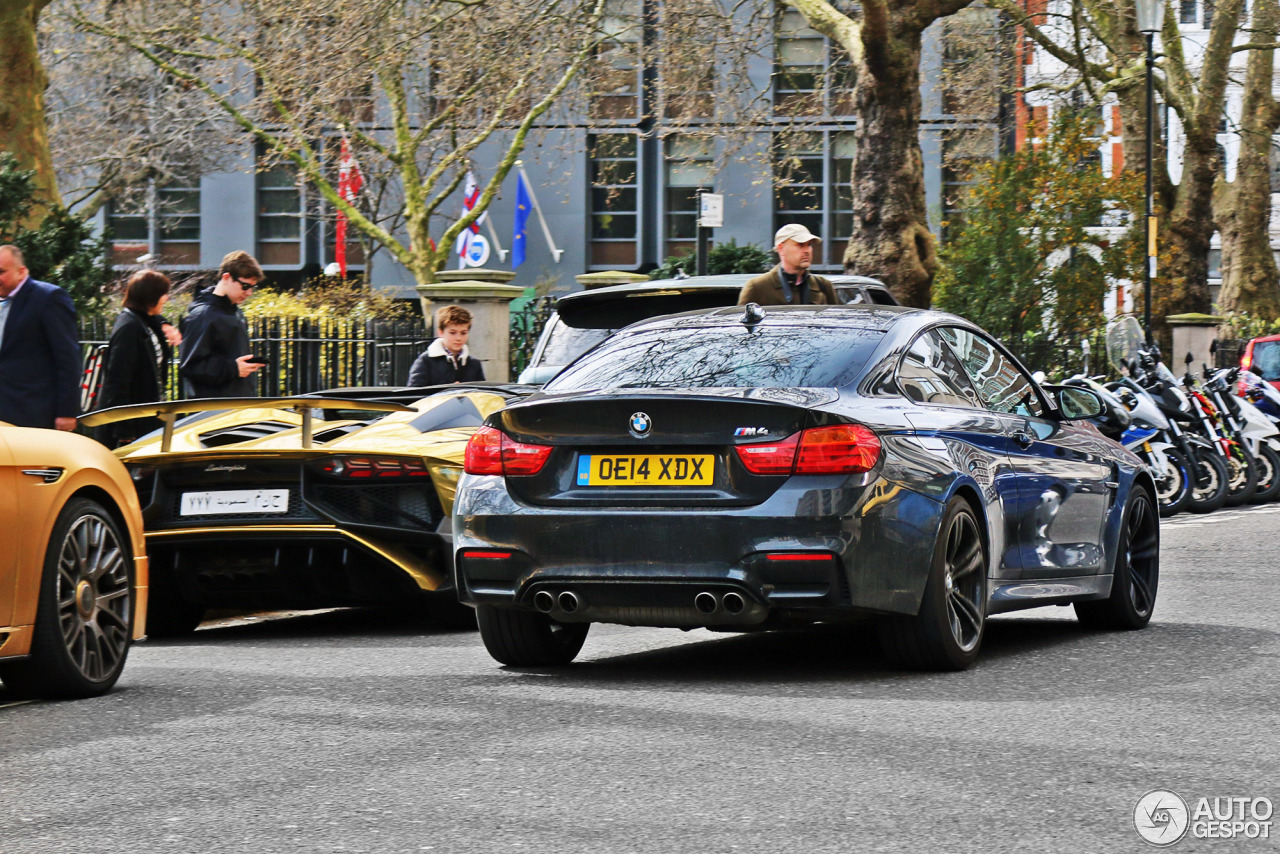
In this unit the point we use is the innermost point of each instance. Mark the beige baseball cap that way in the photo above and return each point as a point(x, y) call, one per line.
point(795, 231)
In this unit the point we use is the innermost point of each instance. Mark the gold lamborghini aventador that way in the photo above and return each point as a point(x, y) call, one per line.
point(337, 498)
point(73, 568)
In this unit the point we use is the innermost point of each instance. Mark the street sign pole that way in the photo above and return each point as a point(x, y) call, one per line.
point(710, 215)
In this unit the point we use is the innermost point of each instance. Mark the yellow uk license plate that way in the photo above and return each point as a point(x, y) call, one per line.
point(645, 469)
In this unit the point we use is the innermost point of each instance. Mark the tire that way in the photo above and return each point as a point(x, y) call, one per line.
point(1136, 575)
point(524, 639)
point(1268, 462)
point(85, 609)
point(1210, 489)
point(947, 632)
point(1173, 489)
point(1242, 476)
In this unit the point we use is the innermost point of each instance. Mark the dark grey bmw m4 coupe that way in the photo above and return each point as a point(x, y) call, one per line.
point(749, 468)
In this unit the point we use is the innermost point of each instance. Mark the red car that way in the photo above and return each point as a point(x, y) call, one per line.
point(1262, 356)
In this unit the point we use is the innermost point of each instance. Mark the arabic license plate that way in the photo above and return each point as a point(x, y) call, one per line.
point(230, 501)
point(645, 469)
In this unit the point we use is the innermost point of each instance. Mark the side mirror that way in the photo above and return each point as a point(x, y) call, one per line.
point(1076, 404)
point(1189, 359)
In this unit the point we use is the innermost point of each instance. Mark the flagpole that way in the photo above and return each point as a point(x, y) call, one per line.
point(546, 231)
point(493, 232)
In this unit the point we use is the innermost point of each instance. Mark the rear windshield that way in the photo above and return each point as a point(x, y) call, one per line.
point(724, 357)
point(564, 344)
point(1266, 360)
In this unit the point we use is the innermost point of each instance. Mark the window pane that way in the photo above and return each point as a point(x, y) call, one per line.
point(277, 176)
point(930, 373)
point(278, 201)
point(999, 383)
point(696, 174)
point(615, 226)
point(278, 227)
point(614, 200)
point(179, 201)
point(129, 228)
point(802, 52)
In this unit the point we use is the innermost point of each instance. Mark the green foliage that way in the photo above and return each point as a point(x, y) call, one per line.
point(722, 258)
point(62, 249)
point(1243, 325)
point(1027, 260)
point(323, 298)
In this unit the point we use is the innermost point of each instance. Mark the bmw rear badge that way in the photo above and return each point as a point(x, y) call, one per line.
point(640, 425)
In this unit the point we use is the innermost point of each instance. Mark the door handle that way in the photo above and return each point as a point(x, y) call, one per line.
point(1023, 438)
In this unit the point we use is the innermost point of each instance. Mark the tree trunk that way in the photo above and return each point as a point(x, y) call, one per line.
point(891, 238)
point(1183, 286)
point(23, 131)
point(1250, 281)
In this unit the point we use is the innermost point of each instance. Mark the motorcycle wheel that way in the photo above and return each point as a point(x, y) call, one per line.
point(1173, 487)
point(1209, 491)
point(1242, 475)
point(1268, 462)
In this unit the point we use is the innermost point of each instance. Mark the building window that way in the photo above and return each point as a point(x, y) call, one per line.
point(1187, 12)
point(160, 221)
point(615, 200)
point(280, 206)
point(813, 175)
point(963, 149)
point(811, 76)
point(689, 165)
point(615, 76)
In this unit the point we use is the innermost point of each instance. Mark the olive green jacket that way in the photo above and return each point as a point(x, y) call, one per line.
point(767, 290)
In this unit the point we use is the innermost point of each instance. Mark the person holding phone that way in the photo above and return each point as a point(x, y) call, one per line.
point(216, 360)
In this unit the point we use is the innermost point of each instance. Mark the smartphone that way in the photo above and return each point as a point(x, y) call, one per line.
point(258, 360)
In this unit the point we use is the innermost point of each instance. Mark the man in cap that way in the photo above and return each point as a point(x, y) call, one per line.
point(791, 283)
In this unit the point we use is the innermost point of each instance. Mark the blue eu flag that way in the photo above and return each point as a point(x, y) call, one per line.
point(523, 203)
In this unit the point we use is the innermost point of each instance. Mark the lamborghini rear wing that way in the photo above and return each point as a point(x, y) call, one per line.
point(168, 412)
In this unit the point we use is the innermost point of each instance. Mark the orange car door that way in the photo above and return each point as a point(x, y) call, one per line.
point(8, 535)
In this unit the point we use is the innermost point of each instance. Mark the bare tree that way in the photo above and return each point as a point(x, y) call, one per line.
point(1098, 40)
point(1250, 280)
point(417, 88)
point(891, 233)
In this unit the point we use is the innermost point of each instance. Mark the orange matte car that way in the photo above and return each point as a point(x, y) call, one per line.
point(73, 565)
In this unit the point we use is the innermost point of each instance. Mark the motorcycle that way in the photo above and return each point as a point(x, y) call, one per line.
point(1242, 471)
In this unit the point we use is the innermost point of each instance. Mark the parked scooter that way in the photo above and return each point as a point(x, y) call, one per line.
point(1250, 427)
point(1147, 379)
point(1242, 471)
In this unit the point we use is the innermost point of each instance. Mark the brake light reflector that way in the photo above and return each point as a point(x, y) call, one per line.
point(841, 449)
point(490, 451)
point(770, 457)
point(371, 468)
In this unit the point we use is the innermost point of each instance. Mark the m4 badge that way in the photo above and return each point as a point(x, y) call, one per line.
point(751, 431)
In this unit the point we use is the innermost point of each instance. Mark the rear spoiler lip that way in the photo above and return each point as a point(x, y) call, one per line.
point(168, 412)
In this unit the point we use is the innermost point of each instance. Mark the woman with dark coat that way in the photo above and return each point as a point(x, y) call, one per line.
point(137, 356)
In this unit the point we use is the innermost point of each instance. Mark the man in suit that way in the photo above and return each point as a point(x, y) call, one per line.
point(791, 283)
point(39, 349)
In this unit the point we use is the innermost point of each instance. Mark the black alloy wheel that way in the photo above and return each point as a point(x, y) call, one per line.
point(1268, 463)
point(1136, 576)
point(1210, 490)
point(947, 632)
point(525, 639)
point(84, 616)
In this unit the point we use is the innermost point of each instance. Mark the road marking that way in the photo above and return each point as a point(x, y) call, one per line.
point(1194, 521)
point(16, 703)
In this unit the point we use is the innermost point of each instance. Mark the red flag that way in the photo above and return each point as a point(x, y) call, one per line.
point(349, 183)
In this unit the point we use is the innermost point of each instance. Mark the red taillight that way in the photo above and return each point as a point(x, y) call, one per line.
point(374, 467)
point(479, 555)
point(490, 451)
point(841, 449)
point(769, 458)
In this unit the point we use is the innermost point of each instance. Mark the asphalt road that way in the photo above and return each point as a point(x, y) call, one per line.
point(352, 731)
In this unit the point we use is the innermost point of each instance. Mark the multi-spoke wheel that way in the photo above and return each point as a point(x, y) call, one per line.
point(1136, 577)
point(946, 633)
point(1173, 486)
point(1210, 483)
point(84, 617)
point(1242, 475)
point(1268, 463)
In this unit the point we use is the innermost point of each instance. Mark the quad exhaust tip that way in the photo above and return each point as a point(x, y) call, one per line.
point(733, 603)
point(544, 601)
point(568, 601)
point(706, 602)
